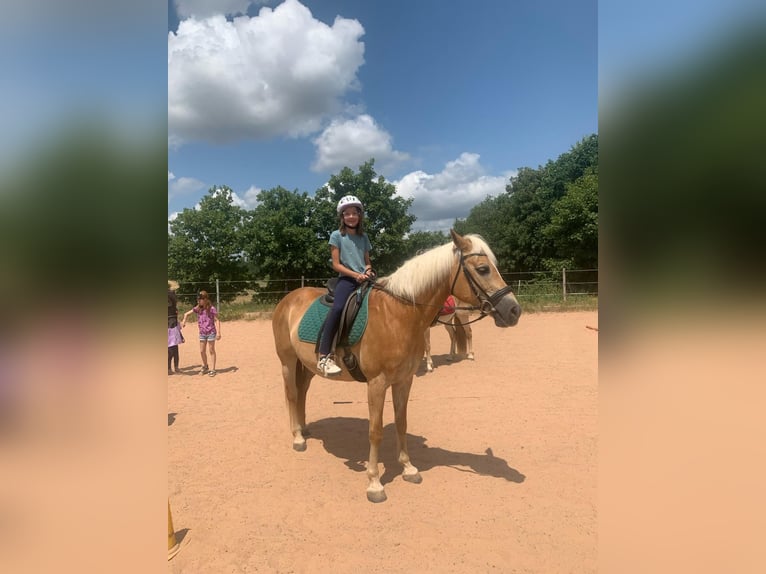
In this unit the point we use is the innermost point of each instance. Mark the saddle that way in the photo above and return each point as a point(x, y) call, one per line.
point(350, 311)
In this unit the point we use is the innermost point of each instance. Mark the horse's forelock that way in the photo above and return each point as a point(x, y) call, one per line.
point(480, 246)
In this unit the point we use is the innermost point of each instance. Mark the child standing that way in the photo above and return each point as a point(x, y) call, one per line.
point(209, 329)
point(175, 337)
point(350, 252)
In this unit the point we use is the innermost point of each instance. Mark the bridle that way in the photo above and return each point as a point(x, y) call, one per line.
point(487, 302)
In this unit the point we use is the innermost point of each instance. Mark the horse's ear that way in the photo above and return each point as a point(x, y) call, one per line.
point(460, 242)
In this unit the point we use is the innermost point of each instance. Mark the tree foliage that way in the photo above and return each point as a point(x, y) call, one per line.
point(420, 241)
point(278, 239)
point(528, 226)
point(573, 228)
point(206, 244)
point(547, 219)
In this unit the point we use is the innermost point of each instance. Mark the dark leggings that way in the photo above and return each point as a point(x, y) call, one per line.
point(343, 289)
point(173, 356)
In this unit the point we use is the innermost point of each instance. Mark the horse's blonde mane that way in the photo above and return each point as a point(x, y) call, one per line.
point(425, 272)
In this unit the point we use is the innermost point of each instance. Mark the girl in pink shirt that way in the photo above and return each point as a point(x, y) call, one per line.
point(209, 329)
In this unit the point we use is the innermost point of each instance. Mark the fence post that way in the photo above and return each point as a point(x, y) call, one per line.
point(564, 282)
point(217, 297)
point(301, 281)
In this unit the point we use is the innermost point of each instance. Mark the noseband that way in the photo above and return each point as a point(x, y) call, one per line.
point(487, 302)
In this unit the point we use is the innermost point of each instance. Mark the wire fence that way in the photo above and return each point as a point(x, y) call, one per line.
point(556, 286)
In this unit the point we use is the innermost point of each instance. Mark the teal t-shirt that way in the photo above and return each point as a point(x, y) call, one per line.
point(352, 249)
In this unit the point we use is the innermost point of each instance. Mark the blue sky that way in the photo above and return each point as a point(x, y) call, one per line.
point(450, 98)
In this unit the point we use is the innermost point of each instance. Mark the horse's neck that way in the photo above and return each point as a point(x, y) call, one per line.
point(422, 306)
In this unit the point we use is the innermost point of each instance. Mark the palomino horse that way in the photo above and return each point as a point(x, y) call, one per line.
point(458, 325)
point(401, 307)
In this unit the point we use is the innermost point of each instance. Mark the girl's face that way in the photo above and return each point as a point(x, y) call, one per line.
point(351, 217)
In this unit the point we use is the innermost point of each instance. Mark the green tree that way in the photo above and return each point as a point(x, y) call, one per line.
point(423, 240)
point(519, 225)
point(490, 219)
point(280, 239)
point(206, 244)
point(573, 228)
point(533, 196)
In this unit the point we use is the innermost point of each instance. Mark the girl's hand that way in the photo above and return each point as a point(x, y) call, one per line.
point(218, 337)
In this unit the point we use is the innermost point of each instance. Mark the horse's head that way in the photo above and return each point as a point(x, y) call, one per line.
point(477, 281)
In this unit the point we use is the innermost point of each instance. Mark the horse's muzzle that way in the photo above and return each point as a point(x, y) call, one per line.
point(507, 311)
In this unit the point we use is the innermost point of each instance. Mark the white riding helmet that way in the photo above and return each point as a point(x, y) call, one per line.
point(349, 201)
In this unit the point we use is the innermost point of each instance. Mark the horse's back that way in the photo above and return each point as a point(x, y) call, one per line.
point(287, 315)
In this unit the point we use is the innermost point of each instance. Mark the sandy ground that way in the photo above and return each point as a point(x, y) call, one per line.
point(506, 445)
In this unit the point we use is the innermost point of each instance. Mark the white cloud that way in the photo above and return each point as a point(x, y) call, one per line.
point(280, 73)
point(237, 200)
point(172, 217)
point(442, 197)
point(353, 142)
point(248, 202)
point(183, 185)
point(251, 197)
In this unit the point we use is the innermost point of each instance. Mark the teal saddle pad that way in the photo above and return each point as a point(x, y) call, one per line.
point(308, 330)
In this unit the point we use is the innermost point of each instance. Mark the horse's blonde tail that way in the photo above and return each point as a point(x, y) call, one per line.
point(461, 339)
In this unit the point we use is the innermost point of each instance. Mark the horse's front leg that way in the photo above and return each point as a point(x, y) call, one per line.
point(401, 395)
point(376, 395)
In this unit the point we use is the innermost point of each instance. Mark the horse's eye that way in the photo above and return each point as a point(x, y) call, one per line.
point(483, 269)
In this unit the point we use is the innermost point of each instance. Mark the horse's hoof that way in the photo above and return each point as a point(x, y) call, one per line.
point(413, 478)
point(299, 446)
point(376, 495)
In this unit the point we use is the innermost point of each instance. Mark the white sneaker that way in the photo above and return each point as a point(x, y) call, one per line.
point(327, 366)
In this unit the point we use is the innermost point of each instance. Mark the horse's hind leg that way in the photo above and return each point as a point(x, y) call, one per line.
point(467, 336)
point(461, 335)
point(452, 342)
point(401, 394)
point(429, 361)
point(297, 380)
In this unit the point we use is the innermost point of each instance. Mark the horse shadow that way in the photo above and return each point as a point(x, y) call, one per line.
point(347, 439)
